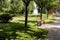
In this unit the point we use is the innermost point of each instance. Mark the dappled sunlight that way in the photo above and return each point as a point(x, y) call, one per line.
point(29, 19)
point(9, 30)
point(14, 30)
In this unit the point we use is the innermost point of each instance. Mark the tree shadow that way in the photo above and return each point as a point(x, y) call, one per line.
point(40, 33)
point(30, 21)
point(8, 30)
point(12, 30)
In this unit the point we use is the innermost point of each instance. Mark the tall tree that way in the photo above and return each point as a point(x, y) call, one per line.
point(41, 4)
point(26, 2)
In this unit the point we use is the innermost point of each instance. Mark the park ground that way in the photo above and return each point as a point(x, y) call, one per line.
point(14, 30)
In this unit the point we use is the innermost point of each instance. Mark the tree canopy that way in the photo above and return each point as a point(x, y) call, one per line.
point(47, 3)
point(4, 5)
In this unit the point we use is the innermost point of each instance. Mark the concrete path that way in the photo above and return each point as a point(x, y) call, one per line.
point(54, 30)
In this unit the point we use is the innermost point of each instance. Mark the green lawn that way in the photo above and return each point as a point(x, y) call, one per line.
point(15, 29)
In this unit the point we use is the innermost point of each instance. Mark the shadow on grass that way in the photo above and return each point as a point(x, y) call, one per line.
point(13, 30)
point(8, 30)
point(40, 33)
point(34, 23)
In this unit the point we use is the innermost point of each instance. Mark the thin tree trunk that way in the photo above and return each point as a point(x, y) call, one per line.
point(47, 15)
point(41, 15)
point(26, 17)
point(42, 11)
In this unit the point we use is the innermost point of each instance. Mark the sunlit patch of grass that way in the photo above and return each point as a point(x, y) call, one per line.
point(49, 21)
point(51, 16)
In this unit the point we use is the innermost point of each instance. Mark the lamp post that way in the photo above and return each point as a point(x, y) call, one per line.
point(26, 2)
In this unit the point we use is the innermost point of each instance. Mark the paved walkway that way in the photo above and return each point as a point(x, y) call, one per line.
point(54, 30)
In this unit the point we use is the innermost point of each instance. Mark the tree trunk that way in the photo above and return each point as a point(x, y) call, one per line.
point(41, 14)
point(47, 15)
point(26, 17)
point(42, 9)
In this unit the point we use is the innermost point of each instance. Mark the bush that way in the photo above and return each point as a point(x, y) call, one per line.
point(5, 18)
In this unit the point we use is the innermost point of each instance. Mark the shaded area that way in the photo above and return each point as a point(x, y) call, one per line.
point(34, 23)
point(41, 34)
point(16, 31)
point(8, 30)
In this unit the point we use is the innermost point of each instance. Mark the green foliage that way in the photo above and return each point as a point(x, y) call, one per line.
point(31, 7)
point(17, 6)
point(52, 4)
point(41, 3)
point(4, 5)
point(5, 18)
point(47, 3)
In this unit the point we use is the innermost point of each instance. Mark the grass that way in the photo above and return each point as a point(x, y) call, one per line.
point(15, 29)
point(49, 21)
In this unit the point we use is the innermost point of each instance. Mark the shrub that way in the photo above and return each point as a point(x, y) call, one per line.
point(5, 18)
